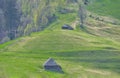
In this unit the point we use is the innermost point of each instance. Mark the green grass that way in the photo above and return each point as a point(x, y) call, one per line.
point(105, 7)
point(81, 54)
point(74, 64)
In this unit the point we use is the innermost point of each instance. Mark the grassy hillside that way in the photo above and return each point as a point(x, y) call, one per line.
point(105, 7)
point(91, 54)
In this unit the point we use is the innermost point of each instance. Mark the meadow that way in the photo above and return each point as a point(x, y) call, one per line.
point(80, 54)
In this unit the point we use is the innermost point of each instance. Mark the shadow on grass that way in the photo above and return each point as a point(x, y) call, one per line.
point(54, 71)
point(102, 59)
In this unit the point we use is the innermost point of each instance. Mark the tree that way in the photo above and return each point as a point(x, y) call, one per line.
point(12, 17)
point(86, 2)
point(72, 1)
point(82, 15)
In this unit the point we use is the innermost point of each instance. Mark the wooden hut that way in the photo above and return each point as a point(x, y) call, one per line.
point(51, 65)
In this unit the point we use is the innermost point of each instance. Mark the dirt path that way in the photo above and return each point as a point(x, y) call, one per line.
point(98, 72)
point(74, 24)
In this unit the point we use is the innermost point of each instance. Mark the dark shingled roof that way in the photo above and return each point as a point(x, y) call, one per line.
point(68, 27)
point(51, 65)
point(50, 62)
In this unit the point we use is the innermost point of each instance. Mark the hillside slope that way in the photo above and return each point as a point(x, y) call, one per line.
point(93, 53)
point(78, 53)
point(105, 7)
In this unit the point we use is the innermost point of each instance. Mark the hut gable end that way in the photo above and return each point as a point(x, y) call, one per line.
point(50, 62)
point(51, 65)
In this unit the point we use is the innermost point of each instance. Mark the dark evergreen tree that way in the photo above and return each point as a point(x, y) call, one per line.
point(82, 15)
point(12, 16)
